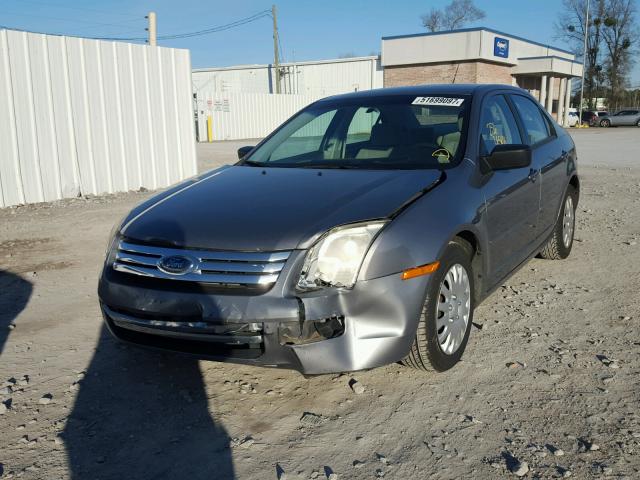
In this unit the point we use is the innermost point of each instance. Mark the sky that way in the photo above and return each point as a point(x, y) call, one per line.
point(309, 30)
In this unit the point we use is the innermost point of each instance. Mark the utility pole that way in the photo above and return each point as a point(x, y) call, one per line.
point(584, 59)
point(151, 29)
point(276, 56)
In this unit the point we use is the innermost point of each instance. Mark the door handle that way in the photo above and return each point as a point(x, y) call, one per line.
point(533, 174)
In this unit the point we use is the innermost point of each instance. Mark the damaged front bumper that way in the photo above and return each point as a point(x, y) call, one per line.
point(322, 331)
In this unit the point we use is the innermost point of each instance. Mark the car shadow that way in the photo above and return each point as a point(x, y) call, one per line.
point(142, 414)
point(15, 293)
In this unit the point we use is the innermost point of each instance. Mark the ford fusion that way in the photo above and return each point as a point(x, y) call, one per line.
point(363, 231)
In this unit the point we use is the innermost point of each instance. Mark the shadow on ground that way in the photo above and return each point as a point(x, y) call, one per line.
point(144, 415)
point(14, 296)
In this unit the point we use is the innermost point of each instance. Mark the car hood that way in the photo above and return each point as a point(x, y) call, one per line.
point(252, 208)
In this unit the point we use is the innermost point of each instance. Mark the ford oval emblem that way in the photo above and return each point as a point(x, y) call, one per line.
point(176, 265)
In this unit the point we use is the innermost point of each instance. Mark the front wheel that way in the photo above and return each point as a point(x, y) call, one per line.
point(605, 123)
point(638, 123)
point(559, 245)
point(445, 322)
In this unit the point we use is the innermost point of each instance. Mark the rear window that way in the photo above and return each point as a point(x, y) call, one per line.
point(392, 132)
point(536, 126)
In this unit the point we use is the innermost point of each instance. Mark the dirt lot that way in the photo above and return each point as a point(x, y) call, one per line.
point(550, 375)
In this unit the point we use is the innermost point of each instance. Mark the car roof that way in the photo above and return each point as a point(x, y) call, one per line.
point(430, 89)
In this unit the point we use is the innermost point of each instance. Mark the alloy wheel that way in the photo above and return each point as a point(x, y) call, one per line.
point(453, 309)
point(568, 222)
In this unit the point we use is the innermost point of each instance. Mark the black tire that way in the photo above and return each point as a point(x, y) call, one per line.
point(605, 123)
point(555, 249)
point(638, 123)
point(425, 353)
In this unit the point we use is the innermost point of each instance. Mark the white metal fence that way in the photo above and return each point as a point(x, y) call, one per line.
point(246, 115)
point(83, 116)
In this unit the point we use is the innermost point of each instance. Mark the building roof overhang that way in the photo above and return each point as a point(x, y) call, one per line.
point(464, 45)
point(548, 65)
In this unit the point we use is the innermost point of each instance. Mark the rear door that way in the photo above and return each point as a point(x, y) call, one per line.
point(618, 118)
point(548, 158)
point(512, 196)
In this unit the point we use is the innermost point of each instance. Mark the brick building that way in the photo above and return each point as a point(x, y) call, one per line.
point(482, 55)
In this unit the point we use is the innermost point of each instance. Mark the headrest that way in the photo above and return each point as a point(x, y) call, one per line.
point(385, 134)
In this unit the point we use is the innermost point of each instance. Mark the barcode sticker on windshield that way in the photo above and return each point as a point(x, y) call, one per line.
point(444, 101)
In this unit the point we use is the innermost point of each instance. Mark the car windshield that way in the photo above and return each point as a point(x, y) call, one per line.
point(392, 132)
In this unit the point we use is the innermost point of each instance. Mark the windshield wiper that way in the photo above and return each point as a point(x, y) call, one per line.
point(251, 163)
point(328, 166)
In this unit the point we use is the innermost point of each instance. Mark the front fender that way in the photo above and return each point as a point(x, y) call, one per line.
point(422, 231)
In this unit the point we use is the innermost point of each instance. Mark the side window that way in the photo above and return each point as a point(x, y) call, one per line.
point(497, 125)
point(305, 140)
point(535, 125)
point(362, 121)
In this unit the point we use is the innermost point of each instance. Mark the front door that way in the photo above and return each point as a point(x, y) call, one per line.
point(625, 117)
point(547, 157)
point(512, 196)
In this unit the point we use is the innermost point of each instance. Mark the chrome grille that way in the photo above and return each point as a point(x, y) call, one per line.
point(208, 266)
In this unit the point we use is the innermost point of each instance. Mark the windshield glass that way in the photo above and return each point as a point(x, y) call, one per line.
point(393, 132)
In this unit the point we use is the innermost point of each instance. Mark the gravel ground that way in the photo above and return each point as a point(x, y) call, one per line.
point(548, 387)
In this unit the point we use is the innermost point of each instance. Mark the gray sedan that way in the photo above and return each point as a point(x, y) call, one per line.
point(629, 117)
point(363, 231)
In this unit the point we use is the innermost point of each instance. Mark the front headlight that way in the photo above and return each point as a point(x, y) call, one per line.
point(336, 258)
point(114, 236)
point(115, 231)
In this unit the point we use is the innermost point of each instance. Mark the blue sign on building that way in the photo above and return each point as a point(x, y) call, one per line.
point(501, 47)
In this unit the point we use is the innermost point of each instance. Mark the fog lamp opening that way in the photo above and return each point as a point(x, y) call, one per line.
point(301, 333)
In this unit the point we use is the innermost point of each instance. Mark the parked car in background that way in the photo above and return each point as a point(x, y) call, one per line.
point(363, 231)
point(572, 119)
point(589, 117)
point(621, 118)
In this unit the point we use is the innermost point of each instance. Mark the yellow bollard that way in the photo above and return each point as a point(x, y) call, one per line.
point(209, 129)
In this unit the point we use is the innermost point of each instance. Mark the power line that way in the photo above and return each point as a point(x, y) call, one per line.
point(175, 36)
point(69, 7)
point(206, 31)
point(74, 20)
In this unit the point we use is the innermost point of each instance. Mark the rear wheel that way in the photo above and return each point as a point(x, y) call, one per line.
point(605, 123)
point(559, 245)
point(445, 322)
point(638, 123)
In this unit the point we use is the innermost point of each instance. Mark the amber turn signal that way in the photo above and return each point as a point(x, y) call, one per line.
point(419, 271)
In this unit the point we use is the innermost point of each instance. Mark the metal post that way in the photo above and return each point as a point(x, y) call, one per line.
point(209, 128)
point(584, 59)
point(152, 29)
point(276, 56)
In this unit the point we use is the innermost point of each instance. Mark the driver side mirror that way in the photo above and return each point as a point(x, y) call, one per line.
point(506, 157)
point(243, 151)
